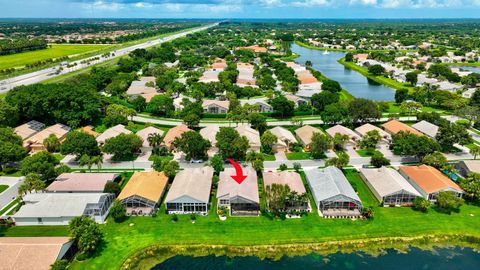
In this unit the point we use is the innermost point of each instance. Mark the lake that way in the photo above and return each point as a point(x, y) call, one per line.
point(437, 259)
point(354, 82)
point(469, 68)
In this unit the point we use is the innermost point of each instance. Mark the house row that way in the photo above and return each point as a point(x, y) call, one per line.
point(33, 133)
point(309, 85)
point(211, 74)
point(245, 75)
point(210, 132)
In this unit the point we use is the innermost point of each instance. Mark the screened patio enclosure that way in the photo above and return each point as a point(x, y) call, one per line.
point(243, 207)
point(137, 205)
point(187, 208)
point(399, 198)
point(340, 205)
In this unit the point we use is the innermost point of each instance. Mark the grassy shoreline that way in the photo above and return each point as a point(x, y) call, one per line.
point(156, 254)
point(379, 79)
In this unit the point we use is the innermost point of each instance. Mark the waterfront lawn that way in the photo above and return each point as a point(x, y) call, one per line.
point(133, 235)
point(54, 51)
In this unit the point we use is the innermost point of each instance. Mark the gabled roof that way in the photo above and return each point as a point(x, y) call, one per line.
point(146, 132)
point(148, 185)
point(305, 133)
point(472, 165)
point(429, 179)
point(22, 253)
point(195, 183)
point(291, 179)
point(426, 128)
point(210, 132)
point(174, 133)
point(394, 127)
point(58, 130)
point(28, 129)
point(112, 132)
point(387, 181)
point(364, 129)
point(329, 182)
point(220, 103)
point(248, 189)
point(344, 131)
point(81, 182)
point(283, 134)
point(252, 135)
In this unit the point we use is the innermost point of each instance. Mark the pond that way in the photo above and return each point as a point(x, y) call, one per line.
point(354, 82)
point(437, 259)
point(468, 68)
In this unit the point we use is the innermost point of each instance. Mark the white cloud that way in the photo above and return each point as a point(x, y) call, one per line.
point(311, 3)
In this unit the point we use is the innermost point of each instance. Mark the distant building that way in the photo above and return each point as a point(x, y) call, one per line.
point(215, 106)
point(284, 139)
point(305, 133)
point(252, 135)
point(173, 133)
point(394, 127)
point(35, 142)
point(353, 137)
point(29, 129)
point(465, 167)
point(112, 132)
point(426, 128)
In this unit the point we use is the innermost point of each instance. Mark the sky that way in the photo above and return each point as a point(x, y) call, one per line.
point(239, 8)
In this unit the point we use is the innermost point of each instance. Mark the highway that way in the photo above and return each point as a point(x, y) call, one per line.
point(48, 73)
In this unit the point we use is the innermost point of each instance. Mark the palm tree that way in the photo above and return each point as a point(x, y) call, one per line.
point(475, 151)
point(97, 160)
point(155, 140)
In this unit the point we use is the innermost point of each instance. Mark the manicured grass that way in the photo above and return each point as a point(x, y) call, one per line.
point(54, 51)
point(379, 79)
point(3, 188)
point(269, 157)
point(12, 174)
point(395, 108)
point(8, 206)
point(366, 152)
point(137, 233)
point(58, 157)
point(298, 155)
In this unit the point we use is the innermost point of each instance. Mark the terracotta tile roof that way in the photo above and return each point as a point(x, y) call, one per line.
point(22, 253)
point(59, 130)
point(248, 189)
point(149, 185)
point(305, 134)
point(429, 179)
point(292, 179)
point(174, 133)
point(364, 129)
point(81, 182)
point(255, 48)
point(112, 132)
point(28, 129)
point(144, 133)
point(394, 126)
point(89, 130)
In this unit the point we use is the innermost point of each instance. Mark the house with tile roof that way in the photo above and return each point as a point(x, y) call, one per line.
point(241, 199)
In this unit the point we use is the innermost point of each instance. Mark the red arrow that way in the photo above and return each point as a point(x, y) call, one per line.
point(239, 177)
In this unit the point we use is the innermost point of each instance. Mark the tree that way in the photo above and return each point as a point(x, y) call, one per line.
point(376, 70)
point(230, 144)
point(258, 122)
point(370, 140)
point(256, 160)
point(123, 146)
point(168, 167)
point(421, 204)
point(217, 163)
point(401, 95)
point(268, 140)
point(340, 161)
point(323, 99)
point(475, 151)
point(435, 159)
point(319, 145)
point(79, 143)
point(42, 163)
point(191, 120)
point(331, 86)
point(118, 114)
point(86, 234)
point(410, 107)
point(282, 106)
point(448, 201)
point(155, 141)
point(297, 166)
point(8, 114)
point(59, 265)
point(112, 187)
point(32, 182)
point(363, 110)
point(471, 186)
point(339, 141)
point(277, 195)
point(408, 144)
point(349, 57)
point(450, 134)
point(193, 145)
point(335, 113)
point(412, 77)
point(367, 212)
point(118, 211)
point(475, 99)
point(283, 167)
point(11, 148)
point(378, 160)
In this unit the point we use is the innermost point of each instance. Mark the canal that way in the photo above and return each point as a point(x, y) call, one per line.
point(354, 82)
point(437, 259)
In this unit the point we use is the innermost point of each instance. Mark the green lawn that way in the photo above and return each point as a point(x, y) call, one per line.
point(395, 108)
point(8, 206)
point(55, 51)
point(298, 155)
point(269, 157)
point(3, 188)
point(366, 152)
point(137, 233)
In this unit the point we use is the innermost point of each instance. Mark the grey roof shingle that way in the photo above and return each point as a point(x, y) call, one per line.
point(329, 182)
